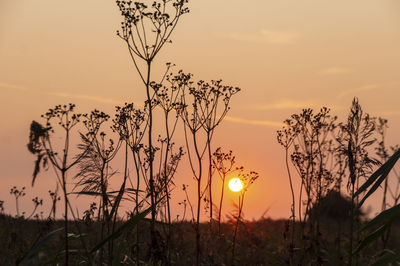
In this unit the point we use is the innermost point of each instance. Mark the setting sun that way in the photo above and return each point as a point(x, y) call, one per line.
point(235, 184)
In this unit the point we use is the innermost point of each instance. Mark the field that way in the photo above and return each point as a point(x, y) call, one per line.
point(259, 242)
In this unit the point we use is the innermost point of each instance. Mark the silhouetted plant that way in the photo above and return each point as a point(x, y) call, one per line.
point(383, 221)
point(187, 201)
point(89, 214)
point(320, 151)
point(193, 124)
point(395, 194)
point(213, 108)
point(199, 111)
point(168, 98)
point(17, 193)
point(41, 144)
point(247, 179)
point(36, 203)
point(131, 123)
point(54, 198)
point(222, 163)
point(285, 138)
point(94, 171)
point(382, 152)
point(309, 136)
point(1, 206)
point(358, 137)
point(146, 30)
point(311, 153)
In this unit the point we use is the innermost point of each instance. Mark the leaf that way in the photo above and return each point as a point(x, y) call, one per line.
point(384, 217)
point(37, 167)
point(127, 225)
point(37, 131)
point(376, 185)
point(371, 237)
point(35, 249)
point(157, 222)
point(89, 193)
point(389, 257)
point(377, 173)
point(126, 190)
point(71, 235)
point(377, 177)
point(118, 199)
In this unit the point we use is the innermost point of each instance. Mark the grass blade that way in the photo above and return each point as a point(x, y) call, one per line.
point(376, 185)
point(127, 225)
point(377, 177)
point(35, 249)
point(384, 217)
point(371, 237)
point(388, 258)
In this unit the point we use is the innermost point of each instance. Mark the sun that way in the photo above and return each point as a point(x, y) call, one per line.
point(235, 184)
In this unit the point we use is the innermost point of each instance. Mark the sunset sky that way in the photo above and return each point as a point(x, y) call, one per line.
point(284, 55)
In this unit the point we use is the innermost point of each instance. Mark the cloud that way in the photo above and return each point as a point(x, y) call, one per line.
point(335, 71)
point(278, 36)
point(84, 97)
point(266, 36)
point(60, 94)
point(13, 86)
point(267, 123)
point(368, 87)
point(388, 113)
point(282, 105)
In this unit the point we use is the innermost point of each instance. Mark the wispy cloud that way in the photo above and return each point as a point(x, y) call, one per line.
point(368, 87)
point(60, 94)
point(282, 105)
point(335, 71)
point(388, 113)
point(278, 36)
point(267, 123)
point(84, 97)
point(266, 36)
point(13, 86)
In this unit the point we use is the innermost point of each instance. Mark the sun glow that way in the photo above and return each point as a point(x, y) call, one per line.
point(235, 184)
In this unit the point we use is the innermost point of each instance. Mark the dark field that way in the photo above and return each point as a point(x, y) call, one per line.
point(261, 242)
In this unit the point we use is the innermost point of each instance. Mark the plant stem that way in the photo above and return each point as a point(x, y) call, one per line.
point(66, 217)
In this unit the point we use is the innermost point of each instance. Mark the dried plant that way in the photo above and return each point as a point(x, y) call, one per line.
point(36, 203)
point(89, 214)
point(200, 113)
point(41, 144)
point(247, 179)
point(17, 193)
point(323, 153)
point(285, 137)
point(1, 206)
point(145, 30)
point(131, 123)
point(54, 198)
point(223, 164)
point(358, 137)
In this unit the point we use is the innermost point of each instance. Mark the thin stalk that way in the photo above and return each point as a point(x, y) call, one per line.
point(137, 202)
point(199, 196)
point(293, 197)
point(351, 226)
point(220, 205)
point(166, 189)
point(241, 200)
point(64, 185)
point(16, 205)
point(210, 174)
point(151, 159)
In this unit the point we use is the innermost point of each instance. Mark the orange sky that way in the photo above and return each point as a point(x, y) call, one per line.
point(285, 55)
